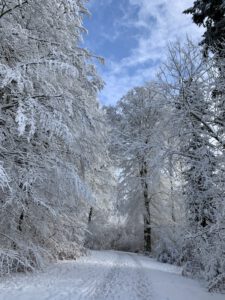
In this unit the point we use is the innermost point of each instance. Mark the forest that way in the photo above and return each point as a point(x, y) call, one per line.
point(145, 176)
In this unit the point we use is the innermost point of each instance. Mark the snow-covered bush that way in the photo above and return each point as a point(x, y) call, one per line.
point(169, 244)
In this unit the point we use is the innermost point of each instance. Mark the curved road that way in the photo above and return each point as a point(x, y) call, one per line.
point(105, 275)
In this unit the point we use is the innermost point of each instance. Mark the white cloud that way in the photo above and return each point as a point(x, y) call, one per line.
point(117, 86)
point(160, 22)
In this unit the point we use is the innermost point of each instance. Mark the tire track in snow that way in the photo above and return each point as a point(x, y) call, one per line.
point(126, 280)
point(144, 285)
point(106, 287)
point(105, 275)
point(97, 278)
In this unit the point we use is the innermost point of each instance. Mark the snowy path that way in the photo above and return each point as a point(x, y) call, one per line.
point(106, 275)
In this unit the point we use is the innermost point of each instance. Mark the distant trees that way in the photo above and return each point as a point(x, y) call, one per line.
point(137, 136)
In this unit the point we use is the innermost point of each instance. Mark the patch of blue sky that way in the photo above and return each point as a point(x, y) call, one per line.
point(132, 36)
point(109, 32)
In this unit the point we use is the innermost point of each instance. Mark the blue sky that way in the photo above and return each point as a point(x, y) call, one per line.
point(132, 36)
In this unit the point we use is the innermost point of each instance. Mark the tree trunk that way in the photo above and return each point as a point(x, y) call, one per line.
point(90, 215)
point(172, 191)
point(20, 221)
point(147, 215)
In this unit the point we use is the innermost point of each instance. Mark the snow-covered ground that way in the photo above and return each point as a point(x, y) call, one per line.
point(106, 275)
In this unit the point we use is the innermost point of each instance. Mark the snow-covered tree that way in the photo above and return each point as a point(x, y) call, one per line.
point(210, 14)
point(137, 143)
point(52, 142)
point(189, 83)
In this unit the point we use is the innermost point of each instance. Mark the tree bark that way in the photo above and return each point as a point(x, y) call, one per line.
point(171, 190)
point(147, 214)
point(90, 215)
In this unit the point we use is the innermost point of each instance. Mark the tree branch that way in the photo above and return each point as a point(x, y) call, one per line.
point(3, 13)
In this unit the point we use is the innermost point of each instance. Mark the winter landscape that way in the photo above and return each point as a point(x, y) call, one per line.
point(112, 149)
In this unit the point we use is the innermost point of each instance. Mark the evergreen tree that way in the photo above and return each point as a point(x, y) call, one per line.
point(211, 15)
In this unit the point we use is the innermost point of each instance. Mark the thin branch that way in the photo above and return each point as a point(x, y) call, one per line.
point(3, 13)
